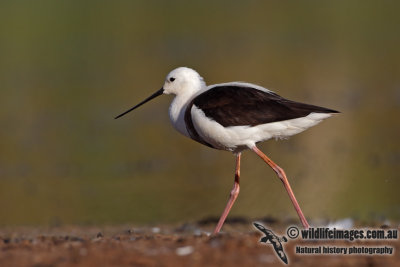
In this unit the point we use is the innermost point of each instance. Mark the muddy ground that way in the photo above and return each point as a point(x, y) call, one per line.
point(166, 245)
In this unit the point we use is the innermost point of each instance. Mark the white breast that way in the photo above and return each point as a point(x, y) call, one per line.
point(177, 113)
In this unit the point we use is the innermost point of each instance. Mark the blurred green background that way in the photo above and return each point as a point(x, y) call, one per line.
point(68, 67)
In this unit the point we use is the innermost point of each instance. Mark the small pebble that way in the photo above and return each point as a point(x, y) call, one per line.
point(197, 232)
point(130, 231)
point(155, 230)
point(345, 223)
point(183, 251)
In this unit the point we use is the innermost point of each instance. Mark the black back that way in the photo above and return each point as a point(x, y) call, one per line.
point(240, 105)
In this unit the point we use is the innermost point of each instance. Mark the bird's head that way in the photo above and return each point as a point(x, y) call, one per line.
point(183, 80)
point(180, 81)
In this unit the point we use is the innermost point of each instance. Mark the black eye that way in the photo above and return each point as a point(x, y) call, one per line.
point(171, 79)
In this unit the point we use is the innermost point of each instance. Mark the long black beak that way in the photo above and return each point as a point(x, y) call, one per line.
point(159, 92)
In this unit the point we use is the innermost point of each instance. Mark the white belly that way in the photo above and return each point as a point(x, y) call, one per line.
point(236, 138)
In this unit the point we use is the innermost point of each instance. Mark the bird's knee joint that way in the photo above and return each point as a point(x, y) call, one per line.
point(281, 173)
point(235, 190)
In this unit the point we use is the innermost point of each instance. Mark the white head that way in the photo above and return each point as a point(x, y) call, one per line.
point(180, 81)
point(183, 80)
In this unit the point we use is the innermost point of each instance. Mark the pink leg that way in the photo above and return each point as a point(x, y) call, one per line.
point(233, 196)
point(281, 174)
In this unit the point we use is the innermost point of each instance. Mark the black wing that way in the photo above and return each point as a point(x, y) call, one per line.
point(239, 105)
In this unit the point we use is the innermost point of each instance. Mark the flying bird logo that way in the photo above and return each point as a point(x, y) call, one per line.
point(274, 240)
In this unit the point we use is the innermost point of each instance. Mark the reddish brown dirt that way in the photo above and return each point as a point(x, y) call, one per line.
point(188, 245)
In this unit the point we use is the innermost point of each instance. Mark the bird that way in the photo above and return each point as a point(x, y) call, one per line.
point(235, 116)
point(274, 240)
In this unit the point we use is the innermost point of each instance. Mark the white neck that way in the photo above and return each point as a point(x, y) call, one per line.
point(177, 112)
